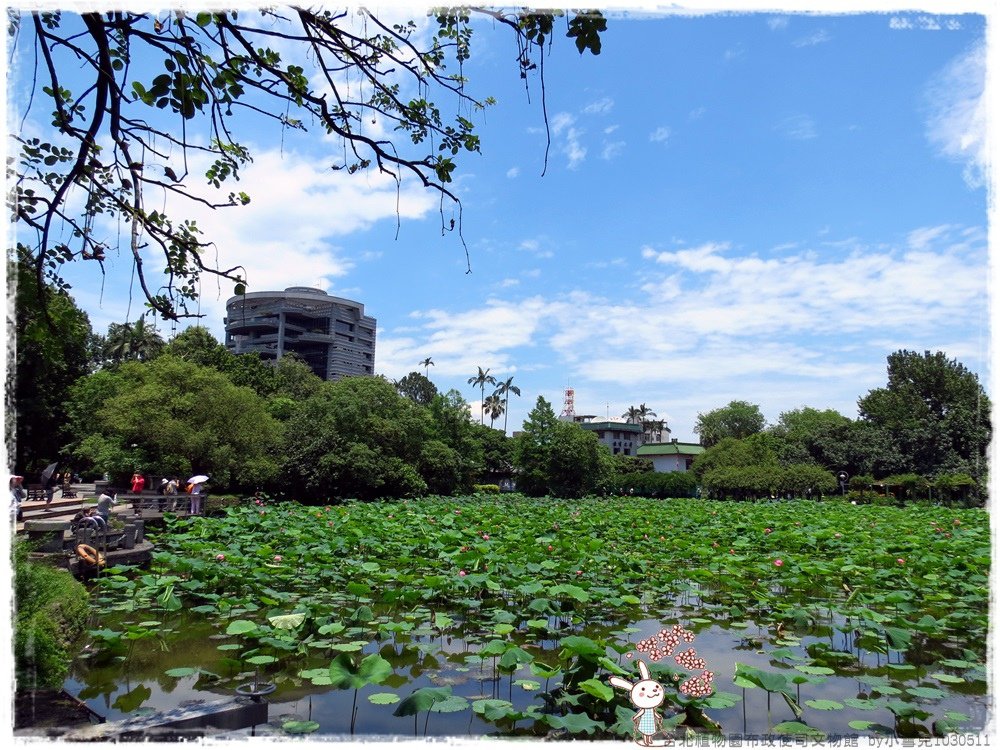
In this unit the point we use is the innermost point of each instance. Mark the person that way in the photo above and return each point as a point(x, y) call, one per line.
point(87, 519)
point(161, 502)
point(196, 490)
point(17, 494)
point(50, 487)
point(171, 489)
point(138, 483)
point(104, 505)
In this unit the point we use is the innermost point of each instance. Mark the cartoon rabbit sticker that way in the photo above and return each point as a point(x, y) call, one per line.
point(646, 695)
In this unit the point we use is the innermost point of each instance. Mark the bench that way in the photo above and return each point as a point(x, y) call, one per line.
point(37, 492)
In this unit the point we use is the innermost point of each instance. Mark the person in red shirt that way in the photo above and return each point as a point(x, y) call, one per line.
point(138, 483)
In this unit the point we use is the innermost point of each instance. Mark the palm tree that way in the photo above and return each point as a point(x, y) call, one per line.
point(128, 341)
point(632, 415)
point(425, 364)
point(495, 406)
point(505, 389)
point(481, 380)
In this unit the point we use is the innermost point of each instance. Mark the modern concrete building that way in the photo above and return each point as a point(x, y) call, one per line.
point(619, 437)
point(333, 335)
point(672, 456)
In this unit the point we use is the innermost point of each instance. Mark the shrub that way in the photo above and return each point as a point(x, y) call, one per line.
point(486, 489)
point(51, 614)
point(653, 484)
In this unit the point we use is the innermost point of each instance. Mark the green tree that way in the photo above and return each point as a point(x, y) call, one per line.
point(53, 350)
point(357, 437)
point(804, 434)
point(493, 405)
point(197, 344)
point(427, 363)
point(557, 458)
point(126, 133)
point(481, 380)
point(935, 411)
point(169, 416)
point(739, 419)
point(452, 424)
point(136, 341)
point(504, 389)
point(416, 387)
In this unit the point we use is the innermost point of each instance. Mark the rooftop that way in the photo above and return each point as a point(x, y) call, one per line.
point(673, 448)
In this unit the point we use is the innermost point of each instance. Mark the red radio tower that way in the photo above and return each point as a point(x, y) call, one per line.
point(568, 411)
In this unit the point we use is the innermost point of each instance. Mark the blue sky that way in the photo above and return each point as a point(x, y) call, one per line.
point(755, 206)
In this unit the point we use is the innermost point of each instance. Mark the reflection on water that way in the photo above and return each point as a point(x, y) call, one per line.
point(133, 677)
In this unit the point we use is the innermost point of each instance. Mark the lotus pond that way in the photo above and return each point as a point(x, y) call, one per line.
point(506, 616)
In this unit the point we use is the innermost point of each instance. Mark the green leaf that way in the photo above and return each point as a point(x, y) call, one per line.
point(451, 704)
point(240, 627)
point(383, 699)
point(813, 669)
point(898, 638)
point(181, 672)
point(926, 692)
point(573, 723)
point(421, 699)
point(261, 659)
point(300, 727)
point(493, 709)
point(825, 705)
point(442, 621)
point(597, 689)
point(950, 678)
point(721, 699)
point(798, 728)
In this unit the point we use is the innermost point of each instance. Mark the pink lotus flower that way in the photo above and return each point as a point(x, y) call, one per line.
point(277, 558)
point(901, 561)
point(550, 548)
point(957, 522)
point(838, 535)
point(579, 572)
point(732, 551)
point(220, 557)
point(767, 531)
point(779, 562)
point(486, 537)
point(458, 512)
point(461, 573)
point(715, 544)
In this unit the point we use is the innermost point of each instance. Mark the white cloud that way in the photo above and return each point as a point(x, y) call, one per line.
point(600, 107)
point(956, 122)
point(560, 121)
point(612, 150)
point(575, 151)
point(287, 235)
point(776, 23)
point(798, 327)
point(797, 127)
point(513, 172)
point(811, 40)
point(697, 114)
point(660, 135)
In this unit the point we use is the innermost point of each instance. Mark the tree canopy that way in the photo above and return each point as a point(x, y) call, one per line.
point(139, 99)
point(935, 410)
point(739, 419)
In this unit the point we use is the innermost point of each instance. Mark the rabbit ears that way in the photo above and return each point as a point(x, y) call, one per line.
point(625, 684)
point(619, 682)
